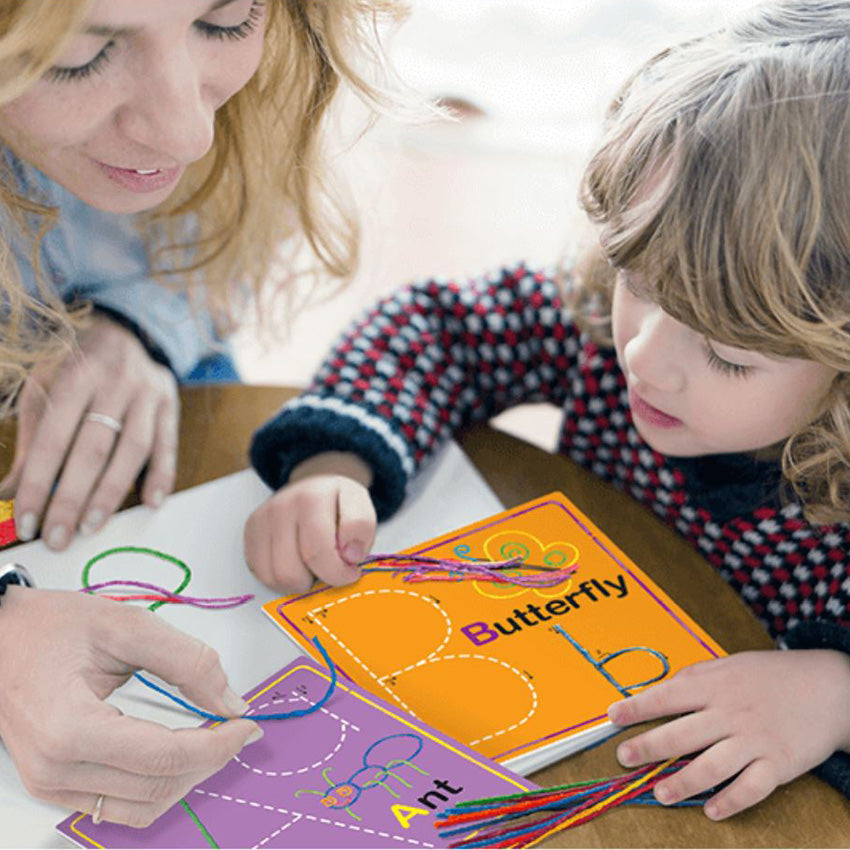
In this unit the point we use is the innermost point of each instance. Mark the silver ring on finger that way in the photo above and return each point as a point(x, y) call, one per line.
point(103, 419)
point(98, 808)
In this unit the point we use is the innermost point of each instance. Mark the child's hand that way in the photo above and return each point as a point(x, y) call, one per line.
point(320, 526)
point(767, 716)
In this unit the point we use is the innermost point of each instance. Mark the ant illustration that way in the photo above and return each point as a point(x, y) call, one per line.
point(379, 762)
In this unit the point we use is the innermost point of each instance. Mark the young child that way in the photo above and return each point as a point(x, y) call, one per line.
point(701, 355)
point(153, 157)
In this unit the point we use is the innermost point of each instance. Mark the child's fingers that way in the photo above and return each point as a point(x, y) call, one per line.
point(356, 524)
point(717, 764)
point(289, 573)
point(317, 535)
point(755, 783)
point(675, 696)
point(689, 734)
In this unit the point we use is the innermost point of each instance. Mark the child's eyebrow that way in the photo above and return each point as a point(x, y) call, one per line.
point(111, 32)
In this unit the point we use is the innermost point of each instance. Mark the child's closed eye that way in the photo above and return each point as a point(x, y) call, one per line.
point(725, 367)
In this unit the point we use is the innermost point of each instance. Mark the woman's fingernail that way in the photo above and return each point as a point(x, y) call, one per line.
point(26, 526)
point(254, 736)
point(57, 537)
point(234, 704)
point(353, 552)
point(92, 522)
point(157, 498)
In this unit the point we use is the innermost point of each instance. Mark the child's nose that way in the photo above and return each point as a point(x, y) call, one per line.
point(654, 356)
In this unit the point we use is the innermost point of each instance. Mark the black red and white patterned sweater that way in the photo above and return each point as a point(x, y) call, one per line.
point(438, 355)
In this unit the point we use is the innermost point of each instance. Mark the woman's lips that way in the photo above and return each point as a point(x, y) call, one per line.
point(642, 408)
point(141, 180)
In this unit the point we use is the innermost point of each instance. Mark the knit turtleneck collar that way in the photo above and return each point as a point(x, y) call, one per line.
point(729, 485)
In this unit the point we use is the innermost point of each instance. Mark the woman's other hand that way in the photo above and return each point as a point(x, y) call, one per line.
point(73, 466)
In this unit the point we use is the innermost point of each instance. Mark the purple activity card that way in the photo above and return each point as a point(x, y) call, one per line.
point(356, 773)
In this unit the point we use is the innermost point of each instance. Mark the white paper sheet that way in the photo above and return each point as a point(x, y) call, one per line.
point(203, 528)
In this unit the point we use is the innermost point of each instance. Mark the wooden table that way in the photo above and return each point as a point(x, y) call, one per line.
point(216, 426)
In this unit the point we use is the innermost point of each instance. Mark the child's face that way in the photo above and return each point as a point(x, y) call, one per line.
point(131, 102)
point(691, 396)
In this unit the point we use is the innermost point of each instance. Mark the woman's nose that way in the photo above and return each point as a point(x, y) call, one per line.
point(654, 356)
point(168, 111)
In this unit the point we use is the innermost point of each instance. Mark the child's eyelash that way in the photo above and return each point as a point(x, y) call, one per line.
point(724, 366)
point(61, 75)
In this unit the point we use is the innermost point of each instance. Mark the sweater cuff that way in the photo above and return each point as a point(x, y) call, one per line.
point(818, 634)
point(821, 634)
point(312, 424)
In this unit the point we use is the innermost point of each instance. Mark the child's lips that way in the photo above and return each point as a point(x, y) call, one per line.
point(650, 414)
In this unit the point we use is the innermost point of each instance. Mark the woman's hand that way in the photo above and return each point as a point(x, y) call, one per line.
point(320, 525)
point(91, 465)
point(762, 717)
point(63, 654)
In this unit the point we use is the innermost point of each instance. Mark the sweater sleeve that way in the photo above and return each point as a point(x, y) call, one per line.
point(821, 634)
point(421, 364)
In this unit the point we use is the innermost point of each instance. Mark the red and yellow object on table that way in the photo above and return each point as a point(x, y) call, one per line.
point(8, 534)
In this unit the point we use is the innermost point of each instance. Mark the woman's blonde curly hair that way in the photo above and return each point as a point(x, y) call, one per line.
point(264, 182)
point(723, 176)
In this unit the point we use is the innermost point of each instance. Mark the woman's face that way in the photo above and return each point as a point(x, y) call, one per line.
point(131, 102)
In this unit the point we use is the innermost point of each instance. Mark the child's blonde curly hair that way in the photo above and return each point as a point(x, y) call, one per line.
point(723, 176)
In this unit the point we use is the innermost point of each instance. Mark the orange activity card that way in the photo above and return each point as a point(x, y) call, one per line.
point(522, 675)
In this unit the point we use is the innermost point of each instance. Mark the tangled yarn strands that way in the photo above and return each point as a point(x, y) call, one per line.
point(526, 819)
point(162, 596)
point(413, 568)
point(416, 568)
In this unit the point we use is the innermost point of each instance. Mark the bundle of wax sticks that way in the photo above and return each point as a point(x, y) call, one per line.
point(525, 819)
point(422, 568)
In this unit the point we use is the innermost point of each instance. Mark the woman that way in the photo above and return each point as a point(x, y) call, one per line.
point(155, 155)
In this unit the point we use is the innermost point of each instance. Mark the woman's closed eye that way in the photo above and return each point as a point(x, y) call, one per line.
point(234, 31)
point(211, 26)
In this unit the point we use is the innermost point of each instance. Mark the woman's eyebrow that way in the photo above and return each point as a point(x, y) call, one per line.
point(109, 32)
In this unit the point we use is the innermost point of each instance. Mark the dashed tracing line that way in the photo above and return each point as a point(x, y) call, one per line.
point(382, 591)
point(428, 659)
point(344, 724)
point(314, 818)
point(501, 663)
point(277, 832)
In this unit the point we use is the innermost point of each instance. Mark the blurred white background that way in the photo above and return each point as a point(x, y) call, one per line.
point(498, 185)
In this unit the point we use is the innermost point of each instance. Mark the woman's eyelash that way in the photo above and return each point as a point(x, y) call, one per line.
point(724, 366)
point(58, 74)
point(240, 30)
